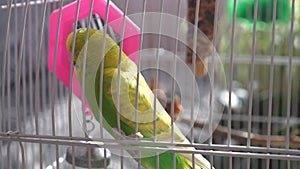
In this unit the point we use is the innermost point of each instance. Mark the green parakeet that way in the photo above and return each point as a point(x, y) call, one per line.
point(128, 79)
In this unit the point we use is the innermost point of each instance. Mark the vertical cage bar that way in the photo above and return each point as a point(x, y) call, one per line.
point(268, 164)
point(252, 73)
point(36, 39)
point(119, 68)
point(289, 91)
point(2, 157)
point(15, 64)
point(139, 160)
point(248, 163)
point(43, 61)
point(230, 162)
point(53, 81)
point(71, 71)
point(193, 160)
point(73, 157)
point(174, 72)
point(102, 68)
point(157, 72)
point(194, 74)
point(8, 64)
point(138, 78)
point(84, 69)
point(57, 156)
point(174, 160)
point(271, 80)
point(7, 40)
point(173, 79)
point(8, 155)
point(22, 70)
point(195, 35)
point(139, 69)
point(30, 69)
point(156, 79)
point(193, 71)
point(288, 164)
point(157, 160)
point(232, 57)
point(211, 103)
point(105, 158)
point(37, 79)
point(19, 65)
point(122, 159)
point(24, 84)
point(211, 160)
point(71, 81)
point(22, 155)
point(89, 158)
point(119, 78)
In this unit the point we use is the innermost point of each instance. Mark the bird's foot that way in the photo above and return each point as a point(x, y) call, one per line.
point(121, 135)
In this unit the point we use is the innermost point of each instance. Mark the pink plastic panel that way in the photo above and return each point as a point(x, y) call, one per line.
point(115, 17)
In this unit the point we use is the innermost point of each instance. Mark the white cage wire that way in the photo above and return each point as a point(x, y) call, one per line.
point(259, 101)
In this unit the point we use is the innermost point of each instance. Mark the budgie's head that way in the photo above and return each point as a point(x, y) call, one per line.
point(80, 40)
point(95, 44)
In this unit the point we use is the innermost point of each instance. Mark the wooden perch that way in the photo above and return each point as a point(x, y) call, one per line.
point(256, 139)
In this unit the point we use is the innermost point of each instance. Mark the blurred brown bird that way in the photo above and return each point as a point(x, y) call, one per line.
point(167, 102)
